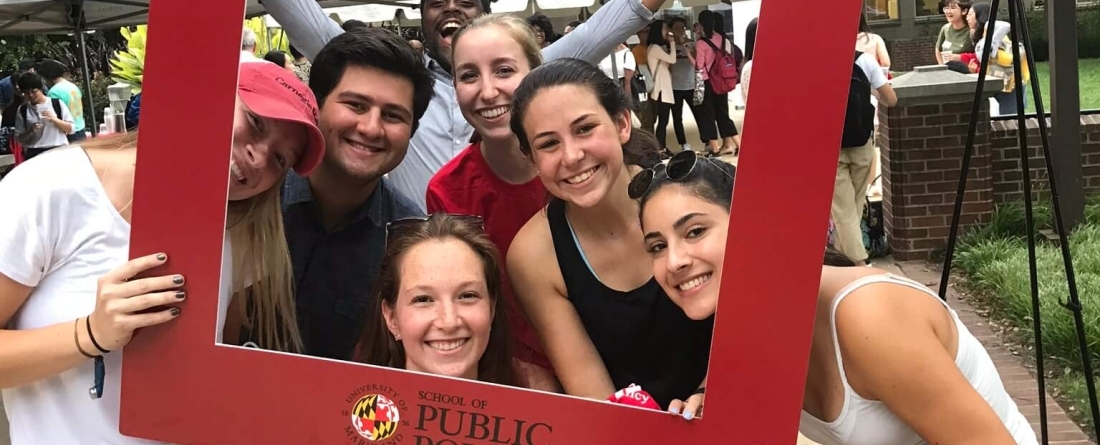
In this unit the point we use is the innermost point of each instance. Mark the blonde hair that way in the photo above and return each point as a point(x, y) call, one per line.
point(261, 261)
point(262, 269)
point(516, 28)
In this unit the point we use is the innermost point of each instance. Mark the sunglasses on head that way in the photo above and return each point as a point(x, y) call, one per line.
point(398, 228)
point(677, 169)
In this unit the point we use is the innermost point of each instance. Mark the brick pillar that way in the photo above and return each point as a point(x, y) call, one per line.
point(922, 140)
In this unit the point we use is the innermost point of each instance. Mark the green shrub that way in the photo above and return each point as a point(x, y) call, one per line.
point(994, 257)
point(1088, 32)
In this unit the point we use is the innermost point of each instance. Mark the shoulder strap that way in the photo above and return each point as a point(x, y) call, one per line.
point(56, 106)
point(23, 112)
point(857, 71)
point(712, 45)
point(574, 269)
point(615, 67)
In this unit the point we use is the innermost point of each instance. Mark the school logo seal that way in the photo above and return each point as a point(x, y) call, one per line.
point(375, 417)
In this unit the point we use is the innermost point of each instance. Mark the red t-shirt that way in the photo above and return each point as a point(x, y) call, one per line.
point(467, 186)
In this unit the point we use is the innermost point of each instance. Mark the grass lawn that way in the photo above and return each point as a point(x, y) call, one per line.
point(994, 262)
point(1089, 81)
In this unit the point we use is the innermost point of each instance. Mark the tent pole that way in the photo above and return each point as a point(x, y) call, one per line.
point(94, 128)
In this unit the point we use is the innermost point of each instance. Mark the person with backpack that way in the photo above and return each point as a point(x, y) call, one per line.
point(42, 123)
point(857, 152)
point(58, 87)
point(720, 61)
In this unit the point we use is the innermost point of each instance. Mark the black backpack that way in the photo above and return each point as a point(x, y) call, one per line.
point(56, 109)
point(859, 121)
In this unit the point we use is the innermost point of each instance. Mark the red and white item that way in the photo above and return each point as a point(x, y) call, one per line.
point(634, 395)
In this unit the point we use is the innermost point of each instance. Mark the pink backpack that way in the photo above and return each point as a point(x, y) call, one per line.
point(725, 72)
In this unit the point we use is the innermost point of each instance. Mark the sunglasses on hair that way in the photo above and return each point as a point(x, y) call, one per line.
point(398, 228)
point(678, 167)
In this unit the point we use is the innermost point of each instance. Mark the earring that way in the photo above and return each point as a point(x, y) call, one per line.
point(397, 337)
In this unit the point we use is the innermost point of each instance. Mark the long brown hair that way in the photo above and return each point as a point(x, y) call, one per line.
point(261, 261)
point(377, 345)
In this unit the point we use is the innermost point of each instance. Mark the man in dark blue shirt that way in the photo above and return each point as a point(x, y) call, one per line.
point(7, 84)
point(372, 89)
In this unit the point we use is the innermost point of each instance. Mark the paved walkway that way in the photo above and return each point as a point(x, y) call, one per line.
point(1016, 376)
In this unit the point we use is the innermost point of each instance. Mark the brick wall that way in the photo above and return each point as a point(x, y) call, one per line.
point(922, 149)
point(1004, 142)
point(908, 53)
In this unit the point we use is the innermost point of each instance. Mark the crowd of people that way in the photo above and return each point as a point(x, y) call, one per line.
point(960, 45)
point(483, 208)
point(42, 109)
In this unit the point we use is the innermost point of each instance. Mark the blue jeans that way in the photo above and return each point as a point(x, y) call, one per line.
point(1007, 102)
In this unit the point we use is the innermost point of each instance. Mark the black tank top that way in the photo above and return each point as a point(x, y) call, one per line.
point(641, 335)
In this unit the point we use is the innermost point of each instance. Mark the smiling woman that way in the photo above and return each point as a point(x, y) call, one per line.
point(890, 363)
point(492, 54)
point(579, 268)
point(438, 297)
point(70, 299)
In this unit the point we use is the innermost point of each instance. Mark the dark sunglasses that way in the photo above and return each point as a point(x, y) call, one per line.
point(678, 167)
point(401, 227)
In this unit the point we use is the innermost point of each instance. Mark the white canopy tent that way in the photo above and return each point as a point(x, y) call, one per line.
point(56, 16)
point(406, 13)
point(53, 16)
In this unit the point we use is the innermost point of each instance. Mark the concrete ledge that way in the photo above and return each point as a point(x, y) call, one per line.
point(937, 81)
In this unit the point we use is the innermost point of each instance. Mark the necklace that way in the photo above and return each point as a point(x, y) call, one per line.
point(103, 180)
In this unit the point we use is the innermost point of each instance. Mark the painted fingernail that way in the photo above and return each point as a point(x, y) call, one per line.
point(674, 410)
point(178, 279)
point(161, 257)
point(175, 311)
point(180, 295)
point(688, 415)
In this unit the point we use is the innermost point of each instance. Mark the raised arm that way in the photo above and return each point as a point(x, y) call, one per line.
point(657, 53)
point(1000, 31)
point(611, 25)
point(305, 23)
point(537, 282)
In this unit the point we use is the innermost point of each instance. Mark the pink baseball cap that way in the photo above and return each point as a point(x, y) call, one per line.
point(275, 93)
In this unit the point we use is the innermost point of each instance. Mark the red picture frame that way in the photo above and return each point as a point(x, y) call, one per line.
point(178, 386)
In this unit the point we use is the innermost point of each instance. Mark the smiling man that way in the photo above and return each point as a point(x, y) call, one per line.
point(372, 89)
point(444, 133)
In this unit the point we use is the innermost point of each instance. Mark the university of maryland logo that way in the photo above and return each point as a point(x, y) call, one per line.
point(375, 417)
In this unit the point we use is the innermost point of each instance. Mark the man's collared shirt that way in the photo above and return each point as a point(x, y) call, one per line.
point(335, 270)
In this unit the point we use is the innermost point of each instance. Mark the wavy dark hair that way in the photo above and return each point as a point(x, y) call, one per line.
point(712, 181)
point(377, 345)
point(543, 23)
point(641, 149)
point(982, 13)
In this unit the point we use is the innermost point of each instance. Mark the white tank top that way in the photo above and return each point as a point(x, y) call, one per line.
point(869, 422)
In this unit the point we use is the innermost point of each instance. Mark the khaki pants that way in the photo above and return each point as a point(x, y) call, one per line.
point(850, 198)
